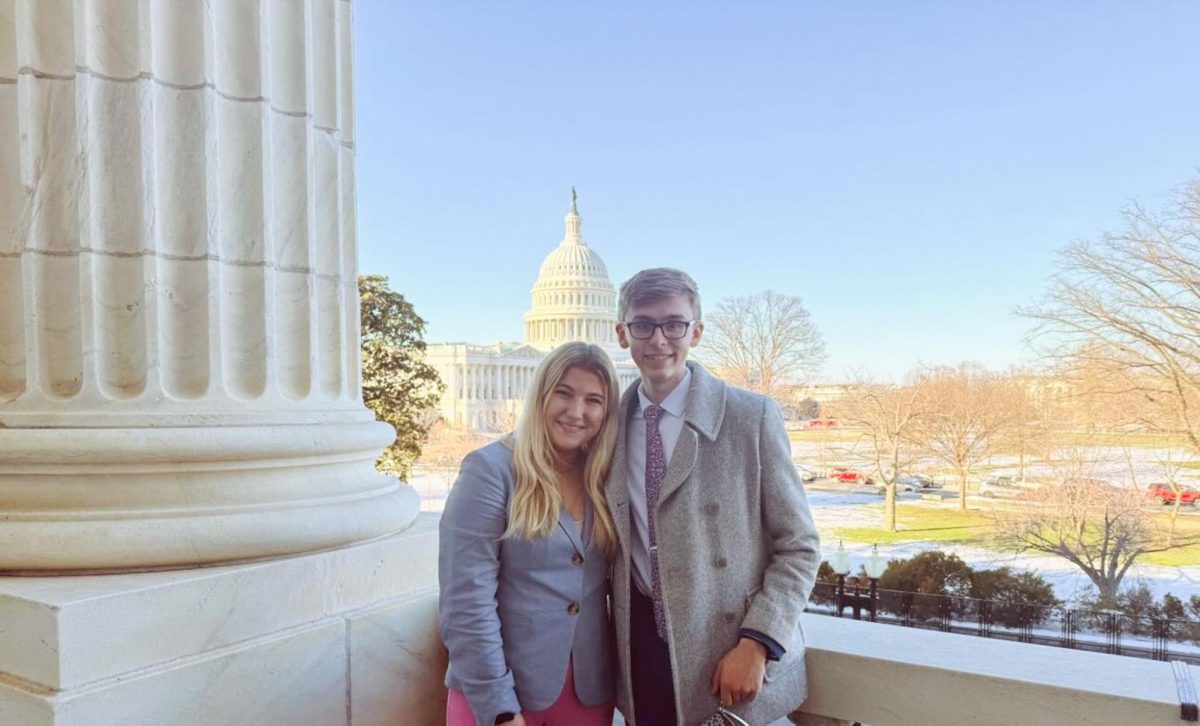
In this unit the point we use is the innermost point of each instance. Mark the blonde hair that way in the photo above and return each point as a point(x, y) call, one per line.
point(655, 284)
point(535, 506)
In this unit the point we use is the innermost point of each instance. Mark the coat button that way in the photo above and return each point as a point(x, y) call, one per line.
point(711, 509)
point(730, 617)
point(573, 609)
point(721, 562)
point(577, 559)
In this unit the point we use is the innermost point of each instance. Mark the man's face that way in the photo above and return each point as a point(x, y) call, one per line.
point(661, 360)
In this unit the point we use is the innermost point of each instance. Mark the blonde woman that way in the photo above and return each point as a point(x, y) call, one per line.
point(525, 545)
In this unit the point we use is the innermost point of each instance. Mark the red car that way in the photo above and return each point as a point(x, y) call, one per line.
point(1166, 495)
point(849, 476)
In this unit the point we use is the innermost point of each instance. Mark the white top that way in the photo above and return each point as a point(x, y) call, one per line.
point(670, 424)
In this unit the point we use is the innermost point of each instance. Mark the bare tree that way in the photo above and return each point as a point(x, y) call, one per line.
point(445, 449)
point(1124, 315)
point(888, 416)
point(1101, 529)
point(1167, 468)
point(964, 415)
point(1032, 417)
point(762, 342)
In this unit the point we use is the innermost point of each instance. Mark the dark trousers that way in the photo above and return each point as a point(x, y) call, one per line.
point(650, 665)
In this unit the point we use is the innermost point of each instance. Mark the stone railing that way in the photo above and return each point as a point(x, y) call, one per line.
point(882, 674)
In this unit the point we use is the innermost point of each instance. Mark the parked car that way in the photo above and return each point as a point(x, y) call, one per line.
point(1006, 487)
point(913, 483)
point(849, 476)
point(1166, 495)
point(805, 473)
point(916, 483)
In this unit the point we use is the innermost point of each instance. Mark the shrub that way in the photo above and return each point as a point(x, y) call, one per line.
point(931, 573)
point(1016, 597)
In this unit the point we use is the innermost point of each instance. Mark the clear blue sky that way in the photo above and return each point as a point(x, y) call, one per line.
point(908, 168)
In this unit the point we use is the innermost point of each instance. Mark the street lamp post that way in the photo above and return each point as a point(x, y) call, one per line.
point(874, 565)
point(840, 562)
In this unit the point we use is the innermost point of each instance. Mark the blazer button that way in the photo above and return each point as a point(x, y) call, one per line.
point(730, 617)
point(573, 609)
point(577, 559)
point(721, 562)
point(711, 509)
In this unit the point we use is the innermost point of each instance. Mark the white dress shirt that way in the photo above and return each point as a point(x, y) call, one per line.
point(670, 424)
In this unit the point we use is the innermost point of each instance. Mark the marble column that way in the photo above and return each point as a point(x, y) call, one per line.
point(179, 333)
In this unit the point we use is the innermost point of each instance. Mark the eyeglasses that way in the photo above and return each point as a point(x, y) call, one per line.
point(671, 330)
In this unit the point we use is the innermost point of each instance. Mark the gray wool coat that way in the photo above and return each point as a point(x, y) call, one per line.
point(513, 612)
point(737, 548)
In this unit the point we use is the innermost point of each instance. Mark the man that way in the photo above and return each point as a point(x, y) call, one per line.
point(718, 547)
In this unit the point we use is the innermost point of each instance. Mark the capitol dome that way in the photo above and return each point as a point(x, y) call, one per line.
point(572, 298)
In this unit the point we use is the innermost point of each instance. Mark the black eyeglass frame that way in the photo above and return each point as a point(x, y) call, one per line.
point(687, 325)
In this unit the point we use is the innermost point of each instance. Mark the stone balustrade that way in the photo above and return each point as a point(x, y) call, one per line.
point(884, 674)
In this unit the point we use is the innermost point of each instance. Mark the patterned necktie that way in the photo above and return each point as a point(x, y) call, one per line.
point(656, 470)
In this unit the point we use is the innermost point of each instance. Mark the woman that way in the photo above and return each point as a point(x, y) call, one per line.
point(525, 545)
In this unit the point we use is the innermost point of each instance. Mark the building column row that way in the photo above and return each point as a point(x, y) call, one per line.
point(490, 382)
point(542, 332)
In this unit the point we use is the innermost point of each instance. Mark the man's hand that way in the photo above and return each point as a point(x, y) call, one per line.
point(739, 674)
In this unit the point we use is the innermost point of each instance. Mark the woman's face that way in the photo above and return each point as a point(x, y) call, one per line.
point(575, 410)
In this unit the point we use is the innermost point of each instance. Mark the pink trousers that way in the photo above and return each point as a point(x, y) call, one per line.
point(566, 711)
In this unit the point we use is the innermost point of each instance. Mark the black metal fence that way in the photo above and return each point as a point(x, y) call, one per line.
point(1100, 631)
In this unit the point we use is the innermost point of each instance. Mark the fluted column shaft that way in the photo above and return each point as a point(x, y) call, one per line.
point(179, 343)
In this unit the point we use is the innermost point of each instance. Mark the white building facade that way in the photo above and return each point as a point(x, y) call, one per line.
point(573, 299)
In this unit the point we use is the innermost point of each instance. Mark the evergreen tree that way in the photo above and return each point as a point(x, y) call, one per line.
point(397, 384)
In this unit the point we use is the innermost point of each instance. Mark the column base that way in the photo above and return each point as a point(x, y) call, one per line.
point(340, 637)
point(131, 499)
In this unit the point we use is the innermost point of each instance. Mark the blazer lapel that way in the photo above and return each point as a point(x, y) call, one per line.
point(567, 525)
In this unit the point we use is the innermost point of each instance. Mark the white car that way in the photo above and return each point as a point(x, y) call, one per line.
point(1003, 487)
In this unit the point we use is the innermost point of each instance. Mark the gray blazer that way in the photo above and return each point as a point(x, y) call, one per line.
point(737, 548)
point(512, 612)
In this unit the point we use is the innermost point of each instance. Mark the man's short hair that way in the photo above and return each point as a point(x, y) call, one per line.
point(656, 284)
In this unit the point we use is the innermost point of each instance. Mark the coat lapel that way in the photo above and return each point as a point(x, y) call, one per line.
point(701, 418)
point(616, 491)
point(683, 460)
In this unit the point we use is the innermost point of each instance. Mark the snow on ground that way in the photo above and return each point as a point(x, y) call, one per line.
point(832, 509)
point(843, 509)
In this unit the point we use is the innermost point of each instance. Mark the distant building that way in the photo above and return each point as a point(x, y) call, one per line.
point(822, 393)
point(572, 299)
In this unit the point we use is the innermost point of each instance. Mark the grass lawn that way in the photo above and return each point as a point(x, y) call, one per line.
point(1187, 529)
point(930, 524)
point(827, 436)
point(924, 524)
point(1136, 440)
point(1173, 558)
